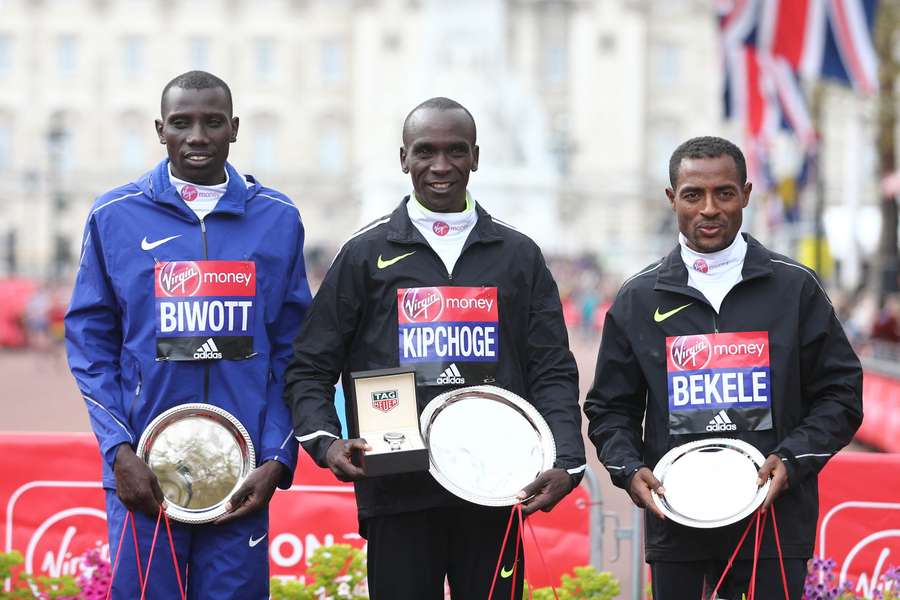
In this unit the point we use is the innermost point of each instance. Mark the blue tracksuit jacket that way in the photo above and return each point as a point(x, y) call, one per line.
point(167, 310)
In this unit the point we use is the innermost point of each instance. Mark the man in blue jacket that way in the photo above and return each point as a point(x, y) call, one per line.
point(190, 289)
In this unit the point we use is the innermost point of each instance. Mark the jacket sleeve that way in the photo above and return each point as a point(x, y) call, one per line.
point(93, 346)
point(831, 379)
point(553, 373)
point(320, 352)
point(277, 435)
point(616, 402)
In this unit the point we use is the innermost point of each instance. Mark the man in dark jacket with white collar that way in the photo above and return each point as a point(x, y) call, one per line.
point(798, 401)
point(439, 264)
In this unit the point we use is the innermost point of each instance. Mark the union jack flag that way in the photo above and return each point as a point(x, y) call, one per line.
point(768, 46)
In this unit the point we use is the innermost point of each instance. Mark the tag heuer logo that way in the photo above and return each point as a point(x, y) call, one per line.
point(385, 401)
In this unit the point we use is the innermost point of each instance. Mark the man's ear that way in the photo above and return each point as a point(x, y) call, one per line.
point(403, 164)
point(670, 194)
point(159, 131)
point(235, 123)
point(748, 187)
point(475, 150)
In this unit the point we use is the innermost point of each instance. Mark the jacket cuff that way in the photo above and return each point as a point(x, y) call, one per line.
point(110, 448)
point(284, 458)
point(316, 445)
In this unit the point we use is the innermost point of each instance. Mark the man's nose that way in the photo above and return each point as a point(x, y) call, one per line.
point(440, 164)
point(709, 208)
point(197, 135)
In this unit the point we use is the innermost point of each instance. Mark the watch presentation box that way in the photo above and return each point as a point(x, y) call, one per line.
point(384, 412)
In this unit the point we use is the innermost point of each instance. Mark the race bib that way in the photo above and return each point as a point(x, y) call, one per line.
point(205, 309)
point(450, 334)
point(719, 383)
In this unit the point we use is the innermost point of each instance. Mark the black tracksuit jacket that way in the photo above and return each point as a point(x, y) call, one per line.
point(352, 326)
point(816, 389)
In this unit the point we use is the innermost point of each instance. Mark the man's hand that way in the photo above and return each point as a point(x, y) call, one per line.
point(338, 458)
point(255, 493)
point(774, 468)
point(136, 485)
point(639, 489)
point(546, 491)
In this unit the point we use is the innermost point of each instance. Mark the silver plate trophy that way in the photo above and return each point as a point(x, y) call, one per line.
point(201, 454)
point(486, 443)
point(710, 483)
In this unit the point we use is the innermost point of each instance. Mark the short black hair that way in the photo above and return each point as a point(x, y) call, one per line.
point(707, 147)
point(195, 80)
point(439, 103)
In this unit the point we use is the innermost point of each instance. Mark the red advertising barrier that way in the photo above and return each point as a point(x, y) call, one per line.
point(859, 517)
point(53, 511)
point(881, 407)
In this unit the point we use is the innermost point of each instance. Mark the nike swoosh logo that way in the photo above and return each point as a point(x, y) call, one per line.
point(660, 317)
point(383, 264)
point(146, 245)
point(505, 574)
point(257, 540)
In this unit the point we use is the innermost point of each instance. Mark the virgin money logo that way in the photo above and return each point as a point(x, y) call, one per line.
point(422, 305)
point(701, 265)
point(440, 228)
point(180, 278)
point(57, 545)
point(189, 193)
point(691, 352)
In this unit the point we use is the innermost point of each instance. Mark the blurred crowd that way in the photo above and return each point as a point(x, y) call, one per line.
point(31, 312)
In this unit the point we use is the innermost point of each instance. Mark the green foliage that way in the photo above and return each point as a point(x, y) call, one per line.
point(586, 584)
point(338, 571)
point(28, 586)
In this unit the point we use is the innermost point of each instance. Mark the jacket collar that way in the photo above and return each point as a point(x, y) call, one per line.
point(673, 275)
point(402, 230)
point(156, 184)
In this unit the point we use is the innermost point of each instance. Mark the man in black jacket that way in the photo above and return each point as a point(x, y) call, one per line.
point(386, 302)
point(799, 398)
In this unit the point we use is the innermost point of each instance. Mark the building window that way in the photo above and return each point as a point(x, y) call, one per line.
point(198, 53)
point(5, 147)
point(133, 57)
point(667, 59)
point(331, 150)
point(264, 149)
point(555, 62)
point(665, 139)
point(67, 55)
point(5, 55)
point(264, 58)
point(132, 150)
point(333, 57)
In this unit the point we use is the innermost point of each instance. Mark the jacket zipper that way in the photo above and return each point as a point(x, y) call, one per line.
point(206, 364)
point(137, 395)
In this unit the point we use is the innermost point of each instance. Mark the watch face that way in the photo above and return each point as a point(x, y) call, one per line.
point(200, 454)
point(710, 483)
point(486, 443)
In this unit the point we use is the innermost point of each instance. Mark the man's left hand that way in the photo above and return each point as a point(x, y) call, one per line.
point(774, 468)
point(256, 492)
point(546, 491)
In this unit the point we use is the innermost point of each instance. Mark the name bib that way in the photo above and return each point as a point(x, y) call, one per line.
point(450, 334)
point(205, 309)
point(719, 383)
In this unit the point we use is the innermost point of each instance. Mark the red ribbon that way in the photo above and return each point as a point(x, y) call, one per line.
point(141, 580)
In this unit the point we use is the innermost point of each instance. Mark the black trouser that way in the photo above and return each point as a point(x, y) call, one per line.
point(693, 580)
point(410, 554)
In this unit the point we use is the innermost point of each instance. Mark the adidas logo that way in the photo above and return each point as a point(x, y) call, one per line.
point(451, 375)
point(721, 422)
point(207, 351)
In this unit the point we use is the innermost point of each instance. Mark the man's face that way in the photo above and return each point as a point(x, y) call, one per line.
point(708, 200)
point(439, 152)
point(197, 128)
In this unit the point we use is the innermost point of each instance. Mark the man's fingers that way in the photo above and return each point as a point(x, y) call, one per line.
point(357, 444)
point(533, 488)
point(767, 469)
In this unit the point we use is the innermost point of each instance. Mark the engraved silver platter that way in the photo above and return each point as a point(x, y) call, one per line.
point(201, 454)
point(710, 483)
point(486, 443)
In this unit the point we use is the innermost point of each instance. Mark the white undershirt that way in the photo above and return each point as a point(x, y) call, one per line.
point(201, 199)
point(714, 273)
point(446, 233)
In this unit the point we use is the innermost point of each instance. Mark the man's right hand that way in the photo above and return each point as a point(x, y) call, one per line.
point(136, 485)
point(338, 458)
point(639, 489)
